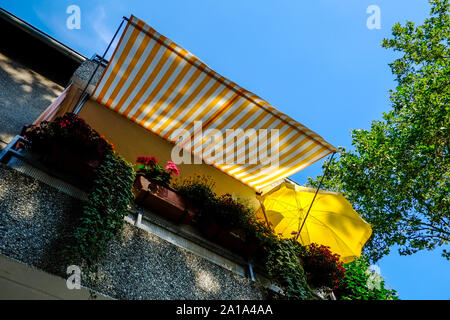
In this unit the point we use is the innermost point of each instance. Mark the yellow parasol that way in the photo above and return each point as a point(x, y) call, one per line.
point(331, 221)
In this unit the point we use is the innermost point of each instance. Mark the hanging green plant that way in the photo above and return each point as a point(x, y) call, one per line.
point(103, 215)
point(283, 266)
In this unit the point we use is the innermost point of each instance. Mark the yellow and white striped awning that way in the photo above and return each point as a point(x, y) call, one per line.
point(165, 89)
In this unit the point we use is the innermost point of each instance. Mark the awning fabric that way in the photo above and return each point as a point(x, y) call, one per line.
point(52, 109)
point(164, 88)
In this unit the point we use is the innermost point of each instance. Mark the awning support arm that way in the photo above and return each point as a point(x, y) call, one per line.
point(315, 195)
point(83, 95)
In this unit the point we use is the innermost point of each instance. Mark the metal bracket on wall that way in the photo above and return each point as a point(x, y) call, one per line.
point(12, 149)
point(138, 218)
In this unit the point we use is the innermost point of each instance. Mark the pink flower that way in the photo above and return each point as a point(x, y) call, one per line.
point(172, 168)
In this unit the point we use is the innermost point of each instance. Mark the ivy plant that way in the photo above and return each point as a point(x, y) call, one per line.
point(103, 215)
point(283, 266)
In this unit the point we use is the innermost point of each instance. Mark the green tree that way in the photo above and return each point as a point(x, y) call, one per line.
point(360, 284)
point(397, 173)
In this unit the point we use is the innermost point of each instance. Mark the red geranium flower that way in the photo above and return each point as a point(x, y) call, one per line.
point(147, 160)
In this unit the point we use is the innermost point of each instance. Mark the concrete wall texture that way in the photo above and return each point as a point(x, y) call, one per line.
point(35, 218)
point(24, 95)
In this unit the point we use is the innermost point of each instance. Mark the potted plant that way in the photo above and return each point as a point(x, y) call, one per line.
point(323, 268)
point(224, 219)
point(198, 192)
point(69, 145)
point(241, 232)
point(152, 190)
point(230, 214)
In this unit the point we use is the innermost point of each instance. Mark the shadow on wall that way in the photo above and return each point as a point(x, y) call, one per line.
point(31, 216)
point(36, 222)
point(24, 95)
point(142, 266)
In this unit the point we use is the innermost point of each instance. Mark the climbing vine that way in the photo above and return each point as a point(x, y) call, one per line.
point(283, 266)
point(103, 215)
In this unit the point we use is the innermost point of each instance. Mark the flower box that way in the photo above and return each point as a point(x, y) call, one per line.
point(236, 241)
point(79, 168)
point(70, 146)
point(162, 200)
point(233, 240)
point(250, 249)
point(209, 228)
point(62, 164)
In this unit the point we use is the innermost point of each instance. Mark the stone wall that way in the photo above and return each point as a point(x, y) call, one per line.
point(35, 219)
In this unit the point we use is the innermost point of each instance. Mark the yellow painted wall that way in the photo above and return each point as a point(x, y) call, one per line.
point(132, 140)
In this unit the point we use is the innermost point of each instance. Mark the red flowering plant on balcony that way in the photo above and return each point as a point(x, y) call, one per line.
point(149, 168)
point(70, 135)
point(322, 267)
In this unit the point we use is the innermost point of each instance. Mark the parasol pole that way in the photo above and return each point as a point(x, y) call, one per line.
point(262, 208)
point(315, 195)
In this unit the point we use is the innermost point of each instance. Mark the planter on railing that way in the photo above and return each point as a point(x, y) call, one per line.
point(162, 200)
point(78, 167)
point(68, 147)
point(231, 239)
point(209, 227)
point(167, 203)
point(60, 162)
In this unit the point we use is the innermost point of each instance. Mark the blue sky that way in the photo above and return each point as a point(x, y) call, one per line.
point(315, 60)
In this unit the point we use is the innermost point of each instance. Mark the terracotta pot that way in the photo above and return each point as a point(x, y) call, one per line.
point(161, 200)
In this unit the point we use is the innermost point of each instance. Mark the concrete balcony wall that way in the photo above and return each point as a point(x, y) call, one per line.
point(19, 281)
point(35, 219)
